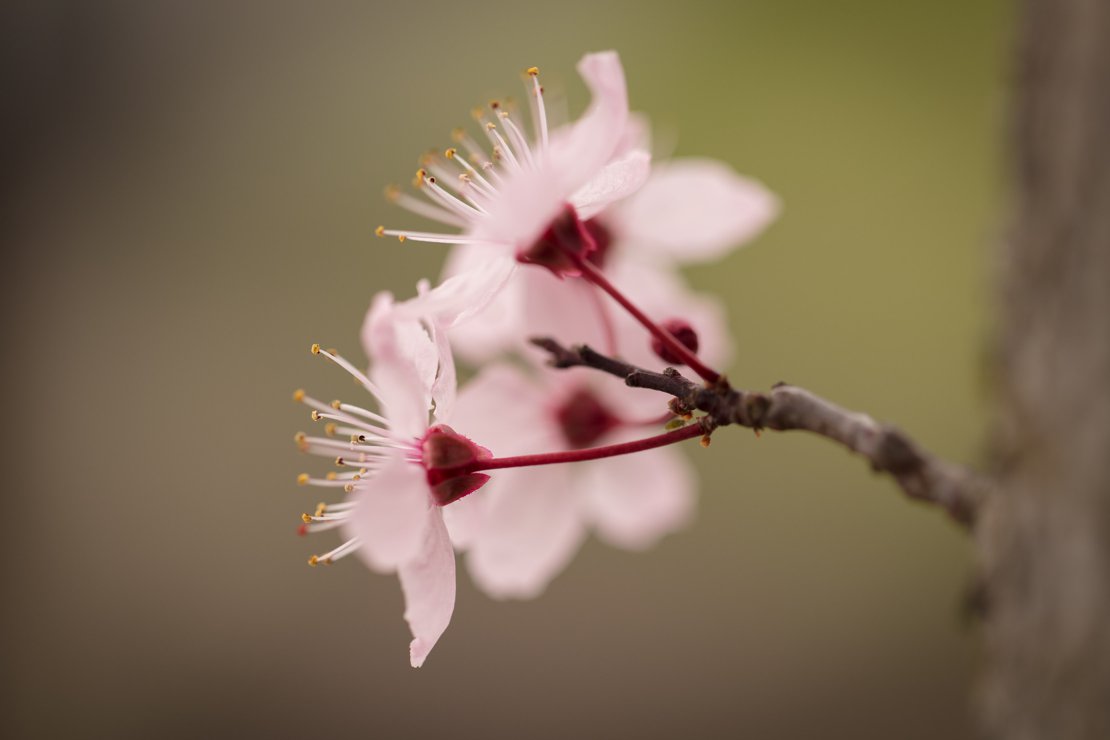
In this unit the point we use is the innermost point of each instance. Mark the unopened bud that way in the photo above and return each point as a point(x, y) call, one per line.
point(684, 333)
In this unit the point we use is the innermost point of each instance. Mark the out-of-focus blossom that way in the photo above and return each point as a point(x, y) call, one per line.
point(527, 523)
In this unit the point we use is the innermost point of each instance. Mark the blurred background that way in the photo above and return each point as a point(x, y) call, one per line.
point(189, 196)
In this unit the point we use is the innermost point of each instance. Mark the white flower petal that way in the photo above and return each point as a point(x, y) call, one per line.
point(694, 210)
point(532, 529)
point(634, 500)
point(463, 295)
point(428, 582)
point(391, 515)
point(617, 180)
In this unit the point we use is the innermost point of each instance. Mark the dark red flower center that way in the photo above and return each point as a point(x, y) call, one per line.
point(583, 419)
point(446, 454)
point(566, 234)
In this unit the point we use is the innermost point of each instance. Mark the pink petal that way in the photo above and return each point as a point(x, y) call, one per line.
point(583, 148)
point(502, 410)
point(460, 297)
point(694, 210)
point(445, 387)
point(532, 529)
point(617, 180)
point(428, 582)
point(496, 328)
point(636, 499)
point(392, 513)
point(403, 365)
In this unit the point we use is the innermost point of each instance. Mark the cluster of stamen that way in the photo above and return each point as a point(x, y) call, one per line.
point(457, 186)
point(358, 440)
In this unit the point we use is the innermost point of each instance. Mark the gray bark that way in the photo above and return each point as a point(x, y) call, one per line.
point(1043, 539)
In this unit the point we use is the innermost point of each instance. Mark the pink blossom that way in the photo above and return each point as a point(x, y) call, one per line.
point(393, 516)
point(505, 202)
point(689, 210)
point(527, 523)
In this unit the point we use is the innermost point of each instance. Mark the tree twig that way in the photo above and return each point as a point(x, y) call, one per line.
point(920, 474)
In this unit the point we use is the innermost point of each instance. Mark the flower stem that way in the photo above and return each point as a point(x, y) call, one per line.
point(590, 453)
point(595, 276)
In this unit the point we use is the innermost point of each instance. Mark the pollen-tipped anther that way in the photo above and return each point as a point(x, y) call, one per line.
point(380, 231)
point(306, 518)
point(302, 479)
point(298, 395)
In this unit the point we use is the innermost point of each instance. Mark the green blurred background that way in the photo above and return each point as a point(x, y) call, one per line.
point(189, 198)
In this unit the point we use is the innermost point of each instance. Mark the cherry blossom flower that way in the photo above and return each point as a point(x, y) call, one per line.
point(511, 204)
point(689, 210)
point(527, 523)
point(394, 458)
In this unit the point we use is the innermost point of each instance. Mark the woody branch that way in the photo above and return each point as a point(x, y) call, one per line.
point(920, 474)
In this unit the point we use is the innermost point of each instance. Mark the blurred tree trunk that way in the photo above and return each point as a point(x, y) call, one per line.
point(1044, 540)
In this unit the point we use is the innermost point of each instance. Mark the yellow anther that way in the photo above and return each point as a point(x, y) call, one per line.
point(532, 71)
point(428, 157)
point(450, 152)
point(339, 461)
point(401, 238)
point(356, 477)
point(476, 113)
point(349, 487)
point(380, 231)
point(361, 472)
point(356, 438)
point(321, 508)
point(705, 440)
point(315, 349)
point(329, 428)
point(392, 193)
point(316, 415)
point(302, 479)
point(336, 404)
point(490, 126)
point(306, 518)
point(331, 475)
point(313, 561)
point(301, 439)
point(457, 135)
point(298, 395)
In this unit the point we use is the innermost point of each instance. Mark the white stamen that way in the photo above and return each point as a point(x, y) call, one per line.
point(427, 210)
point(539, 113)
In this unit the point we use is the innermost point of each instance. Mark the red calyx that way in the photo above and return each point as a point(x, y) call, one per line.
point(446, 457)
point(684, 333)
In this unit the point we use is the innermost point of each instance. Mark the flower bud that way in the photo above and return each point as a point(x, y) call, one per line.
point(684, 333)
